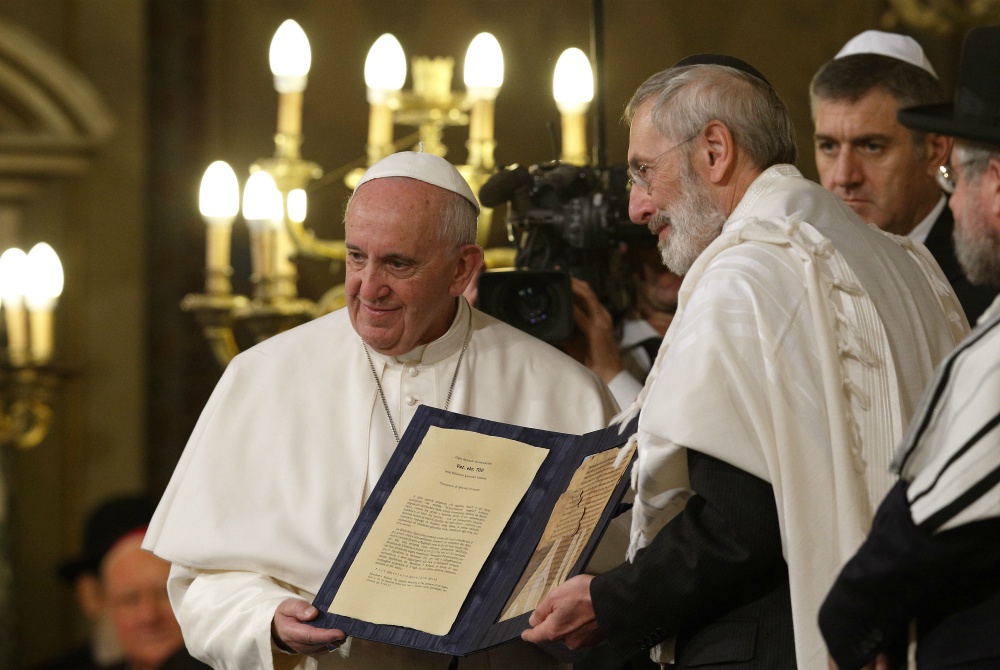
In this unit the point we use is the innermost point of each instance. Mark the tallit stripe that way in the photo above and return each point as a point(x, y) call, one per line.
point(974, 493)
point(971, 442)
point(926, 412)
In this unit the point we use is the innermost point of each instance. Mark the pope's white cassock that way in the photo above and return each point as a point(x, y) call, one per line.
point(288, 449)
point(801, 346)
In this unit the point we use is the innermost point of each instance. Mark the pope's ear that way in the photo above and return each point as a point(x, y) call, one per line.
point(470, 259)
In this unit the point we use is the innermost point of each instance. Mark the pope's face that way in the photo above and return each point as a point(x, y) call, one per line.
point(867, 158)
point(401, 281)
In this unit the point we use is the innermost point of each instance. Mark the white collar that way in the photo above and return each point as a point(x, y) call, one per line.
point(923, 229)
point(443, 347)
point(635, 331)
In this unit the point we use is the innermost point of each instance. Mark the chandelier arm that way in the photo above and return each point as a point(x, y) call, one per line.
point(216, 314)
point(307, 244)
point(28, 422)
point(222, 343)
point(26, 412)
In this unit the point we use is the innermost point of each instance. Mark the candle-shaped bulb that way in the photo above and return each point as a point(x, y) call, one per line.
point(13, 275)
point(573, 82)
point(43, 287)
point(262, 206)
point(44, 277)
point(483, 71)
point(297, 200)
point(13, 280)
point(219, 195)
point(290, 57)
point(385, 68)
point(219, 203)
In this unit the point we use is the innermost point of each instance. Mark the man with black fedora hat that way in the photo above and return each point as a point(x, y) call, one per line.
point(123, 591)
point(933, 555)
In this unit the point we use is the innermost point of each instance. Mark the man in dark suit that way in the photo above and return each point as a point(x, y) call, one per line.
point(933, 555)
point(802, 341)
point(888, 174)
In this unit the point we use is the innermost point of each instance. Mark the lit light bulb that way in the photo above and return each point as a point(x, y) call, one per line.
point(385, 68)
point(297, 201)
point(219, 195)
point(483, 71)
point(290, 57)
point(44, 277)
point(13, 284)
point(262, 206)
point(573, 82)
point(13, 276)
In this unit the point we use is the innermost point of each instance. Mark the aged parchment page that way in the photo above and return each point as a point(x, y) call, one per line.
point(437, 528)
point(569, 529)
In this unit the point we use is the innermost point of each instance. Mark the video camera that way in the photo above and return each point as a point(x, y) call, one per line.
point(564, 220)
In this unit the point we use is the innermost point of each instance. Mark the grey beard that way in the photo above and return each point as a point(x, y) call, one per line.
point(979, 258)
point(695, 222)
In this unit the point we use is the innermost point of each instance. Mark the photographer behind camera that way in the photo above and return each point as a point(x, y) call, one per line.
point(622, 354)
point(581, 262)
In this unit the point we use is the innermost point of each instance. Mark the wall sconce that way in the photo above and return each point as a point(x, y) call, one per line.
point(573, 90)
point(30, 286)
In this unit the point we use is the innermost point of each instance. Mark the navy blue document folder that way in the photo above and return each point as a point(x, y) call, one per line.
point(477, 626)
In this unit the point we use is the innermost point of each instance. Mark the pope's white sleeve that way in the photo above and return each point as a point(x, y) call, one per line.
point(226, 618)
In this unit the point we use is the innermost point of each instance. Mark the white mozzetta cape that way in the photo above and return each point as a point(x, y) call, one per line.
point(290, 444)
point(802, 342)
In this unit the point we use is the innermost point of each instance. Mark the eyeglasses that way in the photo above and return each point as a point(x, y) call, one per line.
point(946, 176)
point(945, 180)
point(640, 175)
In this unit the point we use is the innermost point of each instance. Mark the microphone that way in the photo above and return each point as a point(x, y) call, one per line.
point(502, 186)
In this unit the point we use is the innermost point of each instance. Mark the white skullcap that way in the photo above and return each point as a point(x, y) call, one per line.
point(893, 45)
point(423, 167)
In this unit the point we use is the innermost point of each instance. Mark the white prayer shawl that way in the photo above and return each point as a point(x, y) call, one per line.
point(290, 444)
point(951, 455)
point(778, 363)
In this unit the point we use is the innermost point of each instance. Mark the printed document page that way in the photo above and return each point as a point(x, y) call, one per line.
point(436, 530)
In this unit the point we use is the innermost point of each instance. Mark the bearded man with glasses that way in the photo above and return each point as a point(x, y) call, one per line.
point(801, 344)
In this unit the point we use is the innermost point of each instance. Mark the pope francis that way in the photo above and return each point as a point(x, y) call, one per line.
point(300, 427)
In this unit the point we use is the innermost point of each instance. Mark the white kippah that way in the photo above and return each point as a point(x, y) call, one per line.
point(893, 45)
point(422, 167)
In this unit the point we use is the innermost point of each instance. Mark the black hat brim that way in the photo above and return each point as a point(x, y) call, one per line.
point(941, 119)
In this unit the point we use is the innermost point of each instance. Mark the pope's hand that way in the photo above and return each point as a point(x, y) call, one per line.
point(566, 615)
point(291, 633)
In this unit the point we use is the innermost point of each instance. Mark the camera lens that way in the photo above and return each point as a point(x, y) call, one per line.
point(539, 302)
point(532, 305)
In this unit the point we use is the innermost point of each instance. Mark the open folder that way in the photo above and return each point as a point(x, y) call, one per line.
point(470, 525)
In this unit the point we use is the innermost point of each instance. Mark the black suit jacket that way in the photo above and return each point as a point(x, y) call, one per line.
point(714, 576)
point(949, 582)
point(941, 244)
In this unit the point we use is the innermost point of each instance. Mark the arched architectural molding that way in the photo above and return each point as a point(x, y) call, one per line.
point(51, 117)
